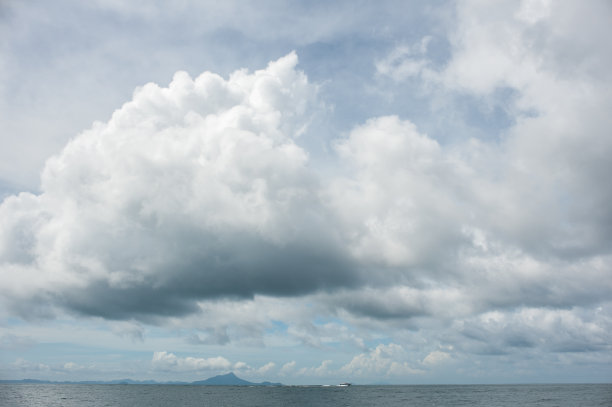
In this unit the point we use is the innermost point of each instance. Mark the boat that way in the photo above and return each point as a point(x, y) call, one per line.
point(344, 384)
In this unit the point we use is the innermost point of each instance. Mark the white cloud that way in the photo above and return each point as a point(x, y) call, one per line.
point(267, 368)
point(555, 152)
point(436, 357)
point(170, 362)
point(384, 360)
point(323, 370)
point(288, 367)
point(73, 367)
point(241, 366)
point(533, 60)
point(176, 180)
point(28, 366)
point(406, 61)
point(400, 203)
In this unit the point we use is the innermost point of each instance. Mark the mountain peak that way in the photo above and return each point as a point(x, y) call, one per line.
point(230, 379)
point(230, 374)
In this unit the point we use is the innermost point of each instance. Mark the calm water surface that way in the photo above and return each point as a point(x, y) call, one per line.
point(98, 395)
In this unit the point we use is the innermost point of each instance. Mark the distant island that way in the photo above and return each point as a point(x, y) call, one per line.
point(229, 379)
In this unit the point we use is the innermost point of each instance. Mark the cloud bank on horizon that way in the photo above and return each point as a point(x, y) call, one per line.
point(200, 207)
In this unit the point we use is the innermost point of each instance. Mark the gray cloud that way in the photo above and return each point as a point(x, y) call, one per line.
point(13, 342)
point(570, 330)
point(213, 337)
point(174, 288)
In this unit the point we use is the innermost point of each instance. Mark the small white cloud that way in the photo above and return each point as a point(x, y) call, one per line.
point(436, 357)
point(27, 366)
point(72, 367)
point(386, 360)
point(241, 366)
point(288, 367)
point(405, 62)
point(266, 368)
point(323, 370)
point(170, 362)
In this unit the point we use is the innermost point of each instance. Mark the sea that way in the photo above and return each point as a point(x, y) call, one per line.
point(153, 395)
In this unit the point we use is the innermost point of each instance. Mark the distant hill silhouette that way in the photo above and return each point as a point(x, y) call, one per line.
point(229, 379)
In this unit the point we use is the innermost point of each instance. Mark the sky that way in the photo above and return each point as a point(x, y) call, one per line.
point(306, 192)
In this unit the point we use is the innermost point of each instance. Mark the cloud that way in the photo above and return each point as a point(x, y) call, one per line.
point(514, 56)
point(322, 335)
point(197, 198)
point(512, 222)
point(267, 368)
point(400, 205)
point(288, 368)
point(132, 330)
point(403, 302)
point(436, 357)
point(13, 342)
point(72, 367)
point(554, 150)
point(25, 365)
point(216, 336)
point(170, 362)
point(405, 62)
point(384, 360)
point(193, 191)
point(241, 366)
point(575, 330)
point(323, 370)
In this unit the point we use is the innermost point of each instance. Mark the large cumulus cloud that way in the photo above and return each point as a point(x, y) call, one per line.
point(193, 191)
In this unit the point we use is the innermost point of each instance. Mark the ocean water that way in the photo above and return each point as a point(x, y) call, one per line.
point(98, 395)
